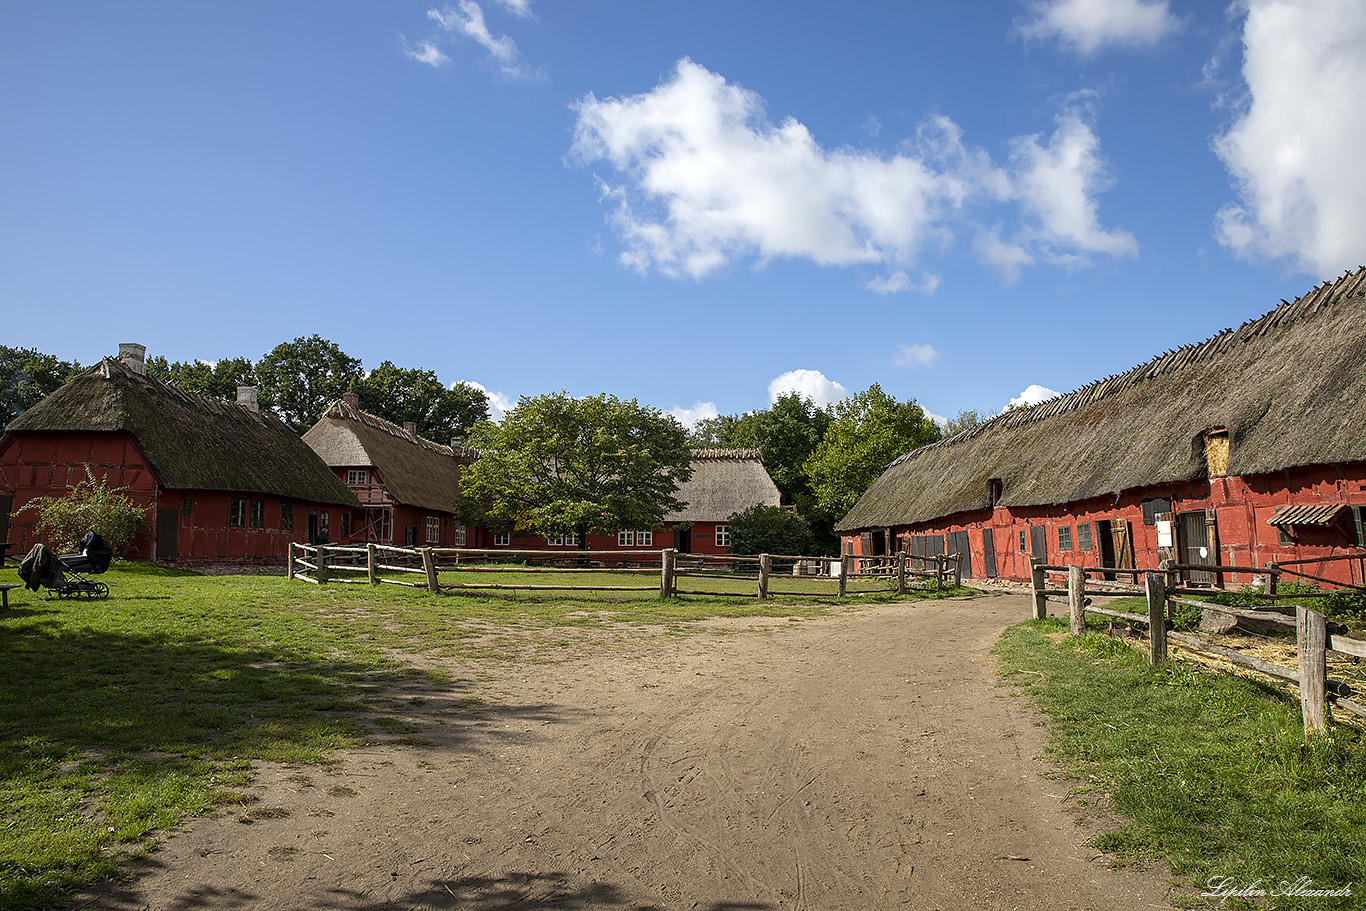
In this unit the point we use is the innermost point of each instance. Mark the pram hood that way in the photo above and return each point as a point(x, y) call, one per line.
point(97, 551)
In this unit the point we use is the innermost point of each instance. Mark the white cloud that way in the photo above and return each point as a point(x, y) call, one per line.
point(809, 384)
point(900, 281)
point(704, 179)
point(689, 417)
point(1089, 25)
point(937, 418)
point(915, 356)
point(499, 404)
point(1033, 395)
point(517, 7)
point(1295, 149)
point(467, 18)
point(428, 53)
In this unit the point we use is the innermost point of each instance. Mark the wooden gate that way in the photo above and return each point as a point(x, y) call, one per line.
point(1197, 544)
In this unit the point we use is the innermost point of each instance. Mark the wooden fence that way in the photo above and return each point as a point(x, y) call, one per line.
point(374, 564)
point(1314, 635)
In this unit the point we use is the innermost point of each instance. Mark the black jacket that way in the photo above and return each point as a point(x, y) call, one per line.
point(39, 567)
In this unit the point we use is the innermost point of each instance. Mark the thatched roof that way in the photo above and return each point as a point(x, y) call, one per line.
point(1289, 387)
point(191, 441)
point(723, 482)
point(416, 471)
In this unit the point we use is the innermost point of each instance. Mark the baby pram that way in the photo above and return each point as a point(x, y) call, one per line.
point(64, 574)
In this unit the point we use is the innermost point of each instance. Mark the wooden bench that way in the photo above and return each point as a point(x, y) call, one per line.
point(4, 595)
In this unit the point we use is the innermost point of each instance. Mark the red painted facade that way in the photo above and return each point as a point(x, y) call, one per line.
point(384, 520)
point(202, 524)
point(696, 538)
point(1236, 513)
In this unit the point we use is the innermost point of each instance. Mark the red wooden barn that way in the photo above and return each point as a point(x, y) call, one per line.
point(407, 485)
point(723, 483)
point(1249, 447)
point(221, 482)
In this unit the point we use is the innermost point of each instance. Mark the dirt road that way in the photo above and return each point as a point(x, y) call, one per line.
point(866, 760)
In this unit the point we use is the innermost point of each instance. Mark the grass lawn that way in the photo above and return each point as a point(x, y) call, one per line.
point(121, 718)
point(1209, 772)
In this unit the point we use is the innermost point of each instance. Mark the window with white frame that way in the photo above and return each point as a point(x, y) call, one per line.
point(433, 529)
point(645, 539)
point(571, 540)
point(458, 535)
point(723, 536)
point(502, 539)
point(555, 540)
point(626, 539)
point(356, 477)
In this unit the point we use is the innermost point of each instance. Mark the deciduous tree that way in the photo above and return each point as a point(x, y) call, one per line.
point(26, 375)
point(218, 380)
point(301, 378)
point(564, 465)
point(401, 395)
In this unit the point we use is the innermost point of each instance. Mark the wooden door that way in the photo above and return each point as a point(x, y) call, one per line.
point(988, 554)
point(958, 544)
point(1038, 543)
point(682, 540)
point(6, 502)
point(1195, 545)
point(168, 535)
point(1123, 545)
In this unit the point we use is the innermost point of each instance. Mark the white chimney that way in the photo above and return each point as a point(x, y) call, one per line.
point(246, 397)
point(410, 427)
point(133, 356)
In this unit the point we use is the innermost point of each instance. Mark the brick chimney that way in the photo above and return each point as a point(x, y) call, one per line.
point(350, 398)
point(410, 428)
point(133, 356)
point(246, 397)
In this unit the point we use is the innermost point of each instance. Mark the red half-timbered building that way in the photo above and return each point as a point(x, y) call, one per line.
point(1244, 449)
point(220, 482)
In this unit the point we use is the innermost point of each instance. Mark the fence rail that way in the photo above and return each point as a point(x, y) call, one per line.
point(1315, 636)
point(374, 564)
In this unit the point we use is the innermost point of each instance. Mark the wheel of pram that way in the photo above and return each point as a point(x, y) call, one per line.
point(101, 591)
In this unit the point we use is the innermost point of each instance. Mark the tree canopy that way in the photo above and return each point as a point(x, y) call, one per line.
point(26, 375)
point(218, 380)
point(564, 465)
point(401, 395)
point(301, 378)
point(866, 433)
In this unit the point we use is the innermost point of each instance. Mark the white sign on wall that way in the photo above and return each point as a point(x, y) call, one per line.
point(1164, 533)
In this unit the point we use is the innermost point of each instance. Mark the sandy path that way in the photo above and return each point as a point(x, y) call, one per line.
point(861, 761)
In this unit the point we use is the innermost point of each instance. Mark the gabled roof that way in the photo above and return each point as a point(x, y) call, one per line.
point(416, 471)
point(192, 442)
point(724, 482)
point(1290, 388)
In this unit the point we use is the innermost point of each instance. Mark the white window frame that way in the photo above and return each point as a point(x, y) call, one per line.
point(502, 539)
point(645, 539)
point(723, 536)
point(571, 540)
point(433, 529)
point(357, 477)
point(458, 535)
point(626, 538)
point(555, 540)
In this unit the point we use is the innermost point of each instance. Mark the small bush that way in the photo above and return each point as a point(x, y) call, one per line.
point(91, 505)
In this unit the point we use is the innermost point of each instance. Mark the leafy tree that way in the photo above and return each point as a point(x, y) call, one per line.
point(26, 375)
point(218, 380)
point(770, 530)
point(301, 378)
point(401, 395)
point(564, 465)
point(867, 432)
point(92, 505)
point(965, 420)
point(716, 433)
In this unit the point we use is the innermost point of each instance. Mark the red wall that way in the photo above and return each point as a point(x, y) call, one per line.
point(702, 538)
point(1242, 507)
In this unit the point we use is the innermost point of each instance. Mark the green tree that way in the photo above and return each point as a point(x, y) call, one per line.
point(26, 375)
point(301, 378)
point(866, 433)
point(966, 420)
point(92, 505)
point(564, 465)
point(401, 395)
point(769, 530)
point(218, 380)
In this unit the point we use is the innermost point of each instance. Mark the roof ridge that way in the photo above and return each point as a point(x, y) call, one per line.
point(749, 454)
point(348, 411)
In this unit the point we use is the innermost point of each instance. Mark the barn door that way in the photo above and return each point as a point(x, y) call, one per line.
point(958, 544)
point(1196, 547)
point(1123, 545)
point(168, 535)
point(988, 554)
point(1038, 543)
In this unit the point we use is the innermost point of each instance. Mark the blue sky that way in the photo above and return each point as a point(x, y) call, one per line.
point(697, 205)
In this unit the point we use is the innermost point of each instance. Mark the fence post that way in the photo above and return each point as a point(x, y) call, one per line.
point(844, 573)
point(666, 572)
point(1311, 635)
point(901, 572)
point(763, 576)
point(1157, 618)
point(372, 563)
point(1036, 576)
point(1076, 598)
point(1273, 577)
point(958, 571)
point(320, 555)
point(429, 564)
point(289, 573)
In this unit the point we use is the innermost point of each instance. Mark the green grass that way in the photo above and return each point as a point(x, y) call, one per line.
point(1211, 773)
point(121, 718)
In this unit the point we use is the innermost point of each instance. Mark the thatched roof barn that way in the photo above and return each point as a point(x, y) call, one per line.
point(1280, 392)
point(724, 482)
point(220, 481)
